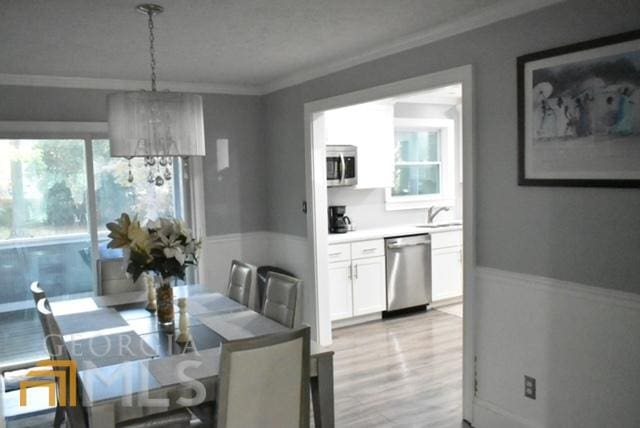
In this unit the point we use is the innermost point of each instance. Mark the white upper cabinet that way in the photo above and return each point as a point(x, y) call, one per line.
point(369, 127)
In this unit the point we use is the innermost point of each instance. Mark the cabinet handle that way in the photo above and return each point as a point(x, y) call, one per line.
point(334, 254)
point(356, 271)
point(369, 250)
point(350, 272)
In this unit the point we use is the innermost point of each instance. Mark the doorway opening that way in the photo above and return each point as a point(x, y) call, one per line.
point(414, 160)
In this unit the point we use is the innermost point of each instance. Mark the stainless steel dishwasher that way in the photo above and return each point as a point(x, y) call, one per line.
point(408, 260)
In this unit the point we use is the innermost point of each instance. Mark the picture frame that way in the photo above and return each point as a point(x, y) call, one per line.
point(579, 114)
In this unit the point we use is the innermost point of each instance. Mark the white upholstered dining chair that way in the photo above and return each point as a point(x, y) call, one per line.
point(113, 279)
point(242, 280)
point(262, 382)
point(281, 298)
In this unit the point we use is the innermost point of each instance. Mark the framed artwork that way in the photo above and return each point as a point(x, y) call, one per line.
point(579, 114)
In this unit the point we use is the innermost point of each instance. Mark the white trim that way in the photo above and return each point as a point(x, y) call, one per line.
point(197, 203)
point(555, 330)
point(316, 193)
point(599, 295)
point(13, 129)
point(504, 10)
point(123, 85)
point(230, 237)
point(488, 415)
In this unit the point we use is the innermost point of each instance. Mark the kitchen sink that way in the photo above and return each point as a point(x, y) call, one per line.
point(439, 225)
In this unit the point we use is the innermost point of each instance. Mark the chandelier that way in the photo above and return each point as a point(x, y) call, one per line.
point(155, 125)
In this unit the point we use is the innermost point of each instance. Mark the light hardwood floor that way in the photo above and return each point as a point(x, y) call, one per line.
point(401, 372)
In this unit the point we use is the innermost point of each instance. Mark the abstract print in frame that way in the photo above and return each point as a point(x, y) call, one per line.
point(579, 114)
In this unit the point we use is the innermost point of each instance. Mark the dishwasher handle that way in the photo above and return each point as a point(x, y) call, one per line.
point(393, 245)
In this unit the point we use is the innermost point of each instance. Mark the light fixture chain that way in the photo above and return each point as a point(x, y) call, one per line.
point(152, 52)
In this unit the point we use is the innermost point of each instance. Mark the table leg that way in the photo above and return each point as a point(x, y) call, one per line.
point(322, 393)
point(102, 416)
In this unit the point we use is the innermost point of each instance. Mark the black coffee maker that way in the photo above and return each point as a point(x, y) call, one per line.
point(338, 222)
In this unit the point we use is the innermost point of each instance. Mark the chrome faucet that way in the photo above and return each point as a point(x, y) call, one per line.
point(432, 212)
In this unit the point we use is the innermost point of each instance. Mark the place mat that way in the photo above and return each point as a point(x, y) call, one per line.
point(150, 324)
point(172, 370)
point(99, 319)
point(213, 303)
point(242, 325)
point(109, 350)
point(201, 338)
point(75, 306)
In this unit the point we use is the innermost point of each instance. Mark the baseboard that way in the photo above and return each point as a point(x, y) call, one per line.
point(445, 302)
point(348, 322)
point(488, 415)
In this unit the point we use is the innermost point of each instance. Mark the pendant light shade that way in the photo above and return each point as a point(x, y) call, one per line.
point(155, 124)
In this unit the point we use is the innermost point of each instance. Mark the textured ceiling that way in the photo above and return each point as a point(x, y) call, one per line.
point(250, 42)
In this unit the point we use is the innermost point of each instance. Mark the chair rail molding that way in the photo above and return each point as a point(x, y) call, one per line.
point(580, 342)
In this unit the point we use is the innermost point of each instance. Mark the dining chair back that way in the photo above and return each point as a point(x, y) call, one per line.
point(75, 415)
point(113, 279)
point(281, 298)
point(241, 282)
point(36, 291)
point(264, 381)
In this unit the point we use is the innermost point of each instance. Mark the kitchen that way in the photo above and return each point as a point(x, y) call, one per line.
point(394, 196)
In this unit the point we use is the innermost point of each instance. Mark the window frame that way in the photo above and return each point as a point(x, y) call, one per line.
point(446, 196)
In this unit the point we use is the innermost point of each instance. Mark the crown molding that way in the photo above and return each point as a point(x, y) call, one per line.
point(123, 85)
point(504, 10)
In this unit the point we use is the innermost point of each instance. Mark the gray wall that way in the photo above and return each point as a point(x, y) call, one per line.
point(578, 234)
point(235, 199)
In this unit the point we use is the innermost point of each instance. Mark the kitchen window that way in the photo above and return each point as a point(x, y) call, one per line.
point(423, 164)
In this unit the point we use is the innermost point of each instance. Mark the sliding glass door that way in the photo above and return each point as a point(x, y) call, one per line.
point(56, 196)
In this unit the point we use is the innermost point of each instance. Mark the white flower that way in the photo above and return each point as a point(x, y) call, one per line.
point(173, 248)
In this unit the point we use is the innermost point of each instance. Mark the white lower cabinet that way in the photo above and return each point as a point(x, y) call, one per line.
point(357, 286)
point(340, 292)
point(446, 265)
point(369, 286)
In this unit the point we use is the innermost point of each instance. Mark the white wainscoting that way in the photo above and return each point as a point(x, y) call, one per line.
point(289, 252)
point(581, 343)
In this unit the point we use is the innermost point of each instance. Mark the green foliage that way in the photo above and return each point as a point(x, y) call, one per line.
point(60, 205)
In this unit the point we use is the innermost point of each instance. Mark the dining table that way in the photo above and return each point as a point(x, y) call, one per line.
point(129, 366)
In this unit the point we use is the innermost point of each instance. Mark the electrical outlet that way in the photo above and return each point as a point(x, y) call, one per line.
point(530, 387)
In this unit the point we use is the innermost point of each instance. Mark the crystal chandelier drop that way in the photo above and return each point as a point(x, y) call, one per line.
point(155, 125)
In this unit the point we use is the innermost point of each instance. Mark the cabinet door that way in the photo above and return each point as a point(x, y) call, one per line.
point(340, 295)
point(370, 128)
point(446, 273)
point(369, 286)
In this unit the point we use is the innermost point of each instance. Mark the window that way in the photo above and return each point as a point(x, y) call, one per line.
point(423, 164)
point(418, 163)
point(48, 231)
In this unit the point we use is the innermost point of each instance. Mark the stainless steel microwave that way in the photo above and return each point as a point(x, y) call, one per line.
point(342, 165)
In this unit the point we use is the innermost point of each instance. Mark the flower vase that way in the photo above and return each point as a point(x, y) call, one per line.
point(164, 298)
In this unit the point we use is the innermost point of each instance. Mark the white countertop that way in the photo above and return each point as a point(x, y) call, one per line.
point(385, 232)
